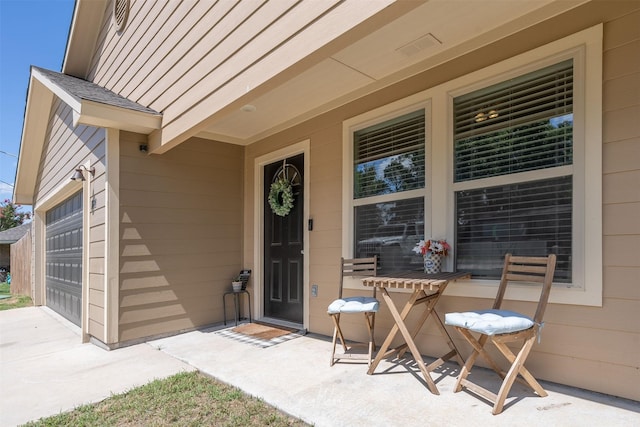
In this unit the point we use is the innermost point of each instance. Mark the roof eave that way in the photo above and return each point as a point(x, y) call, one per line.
point(83, 35)
point(85, 112)
point(34, 127)
point(93, 113)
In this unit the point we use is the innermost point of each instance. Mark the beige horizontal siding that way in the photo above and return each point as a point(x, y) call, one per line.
point(182, 21)
point(621, 155)
point(181, 228)
point(616, 355)
point(622, 283)
point(116, 46)
point(174, 22)
point(65, 149)
point(96, 306)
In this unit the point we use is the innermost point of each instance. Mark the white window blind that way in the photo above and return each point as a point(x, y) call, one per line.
point(529, 219)
point(389, 157)
point(520, 125)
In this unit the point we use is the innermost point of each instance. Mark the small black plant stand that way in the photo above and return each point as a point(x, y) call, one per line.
point(236, 304)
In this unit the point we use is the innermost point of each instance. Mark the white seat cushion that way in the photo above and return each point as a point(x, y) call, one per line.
point(489, 322)
point(354, 305)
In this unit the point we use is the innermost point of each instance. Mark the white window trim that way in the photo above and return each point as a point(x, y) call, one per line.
point(388, 112)
point(60, 194)
point(585, 47)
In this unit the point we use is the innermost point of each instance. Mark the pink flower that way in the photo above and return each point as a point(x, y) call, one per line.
point(439, 247)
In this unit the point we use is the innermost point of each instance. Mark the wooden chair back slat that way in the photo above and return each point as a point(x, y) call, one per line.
point(546, 289)
point(524, 278)
point(530, 270)
point(535, 269)
point(358, 267)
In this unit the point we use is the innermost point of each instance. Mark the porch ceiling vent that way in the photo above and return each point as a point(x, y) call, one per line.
point(120, 13)
point(419, 44)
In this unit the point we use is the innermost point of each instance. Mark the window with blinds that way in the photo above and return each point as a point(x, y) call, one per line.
point(529, 219)
point(523, 124)
point(389, 161)
point(520, 125)
point(389, 157)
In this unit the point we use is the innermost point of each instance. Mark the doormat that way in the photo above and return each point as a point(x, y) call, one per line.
point(260, 335)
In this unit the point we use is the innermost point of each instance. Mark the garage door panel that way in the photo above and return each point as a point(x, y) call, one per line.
point(64, 258)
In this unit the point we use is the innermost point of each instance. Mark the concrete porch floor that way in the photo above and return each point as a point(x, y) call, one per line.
point(45, 370)
point(295, 376)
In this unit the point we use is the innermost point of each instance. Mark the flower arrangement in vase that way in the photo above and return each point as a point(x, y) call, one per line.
point(432, 251)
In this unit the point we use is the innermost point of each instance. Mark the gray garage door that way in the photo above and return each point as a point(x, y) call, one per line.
point(64, 258)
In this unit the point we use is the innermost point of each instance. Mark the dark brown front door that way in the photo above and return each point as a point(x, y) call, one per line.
point(283, 245)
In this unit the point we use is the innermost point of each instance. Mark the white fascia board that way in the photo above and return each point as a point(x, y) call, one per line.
point(97, 114)
point(221, 138)
point(34, 127)
point(108, 116)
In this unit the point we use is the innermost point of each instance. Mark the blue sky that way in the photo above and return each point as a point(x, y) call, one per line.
point(32, 32)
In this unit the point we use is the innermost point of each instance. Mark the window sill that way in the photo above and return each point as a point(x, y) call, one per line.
point(561, 293)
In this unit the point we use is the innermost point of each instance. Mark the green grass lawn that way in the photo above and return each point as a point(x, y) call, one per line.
point(15, 301)
point(186, 399)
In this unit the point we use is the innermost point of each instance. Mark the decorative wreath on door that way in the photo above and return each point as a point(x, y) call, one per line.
point(281, 197)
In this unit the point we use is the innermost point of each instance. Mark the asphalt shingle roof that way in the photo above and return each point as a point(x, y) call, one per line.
point(90, 91)
point(14, 234)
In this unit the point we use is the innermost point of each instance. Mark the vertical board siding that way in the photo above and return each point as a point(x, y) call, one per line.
point(181, 235)
point(65, 148)
point(21, 266)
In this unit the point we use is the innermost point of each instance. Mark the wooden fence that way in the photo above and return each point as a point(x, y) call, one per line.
point(21, 252)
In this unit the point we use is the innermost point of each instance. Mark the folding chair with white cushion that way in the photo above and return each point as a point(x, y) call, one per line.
point(365, 305)
point(503, 326)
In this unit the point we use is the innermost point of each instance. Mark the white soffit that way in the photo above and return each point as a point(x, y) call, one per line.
point(443, 22)
point(303, 93)
point(439, 29)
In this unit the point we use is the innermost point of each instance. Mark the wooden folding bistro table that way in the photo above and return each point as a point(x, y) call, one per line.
point(427, 289)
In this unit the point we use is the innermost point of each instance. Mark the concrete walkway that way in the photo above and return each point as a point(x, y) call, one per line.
point(45, 370)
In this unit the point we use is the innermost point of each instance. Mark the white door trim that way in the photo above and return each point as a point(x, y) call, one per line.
point(258, 224)
point(61, 193)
